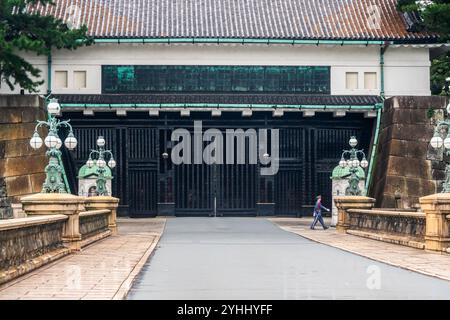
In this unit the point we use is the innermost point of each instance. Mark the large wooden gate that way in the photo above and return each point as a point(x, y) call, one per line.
point(148, 183)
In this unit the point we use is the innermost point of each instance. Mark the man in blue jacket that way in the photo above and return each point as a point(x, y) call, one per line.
point(318, 213)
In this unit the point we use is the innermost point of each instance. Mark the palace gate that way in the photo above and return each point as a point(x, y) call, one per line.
point(148, 183)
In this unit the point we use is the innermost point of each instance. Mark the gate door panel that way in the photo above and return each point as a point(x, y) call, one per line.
point(236, 189)
point(289, 182)
point(193, 194)
point(142, 163)
point(215, 189)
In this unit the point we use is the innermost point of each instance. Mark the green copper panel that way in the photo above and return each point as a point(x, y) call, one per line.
point(211, 79)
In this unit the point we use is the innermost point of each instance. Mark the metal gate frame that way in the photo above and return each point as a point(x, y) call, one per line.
point(313, 166)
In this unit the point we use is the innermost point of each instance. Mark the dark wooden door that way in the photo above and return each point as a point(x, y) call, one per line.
point(215, 189)
point(143, 179)
point(290, 189)
point(142, 165)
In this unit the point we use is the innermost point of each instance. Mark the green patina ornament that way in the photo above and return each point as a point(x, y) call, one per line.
point(354, 175)
point(85, 172)
point(102, 175)
point(342, 173)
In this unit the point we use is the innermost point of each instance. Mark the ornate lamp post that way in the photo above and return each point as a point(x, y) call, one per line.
point(53, 181)
point(437, 142)
point(350, 159)
point(101, 164)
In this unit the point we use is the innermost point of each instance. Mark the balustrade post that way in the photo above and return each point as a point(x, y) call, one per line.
point(58, 203)
point(102, 203)
point(345, 203)
point(437, 234)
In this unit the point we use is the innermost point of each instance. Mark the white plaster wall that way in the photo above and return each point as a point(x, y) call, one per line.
point(406, 69)
point(407, 72)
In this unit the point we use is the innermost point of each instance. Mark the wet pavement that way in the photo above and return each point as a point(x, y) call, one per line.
point(100, 271)
point(251, 258)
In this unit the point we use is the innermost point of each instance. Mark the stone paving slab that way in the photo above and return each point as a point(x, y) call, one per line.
point(103, 270)
point(425, 262)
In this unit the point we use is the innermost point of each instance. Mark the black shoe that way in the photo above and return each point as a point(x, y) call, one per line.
point(325, 228)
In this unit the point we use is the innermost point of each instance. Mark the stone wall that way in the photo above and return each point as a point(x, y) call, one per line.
point(93, 222)
point(401, 167)
point(5, 204)
point(21, 167)
point(358, 217)
point(24, 239)
point(407, 224)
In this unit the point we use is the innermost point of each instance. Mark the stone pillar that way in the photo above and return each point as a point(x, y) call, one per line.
point(58, 203)
point(350, 202)
point(102, 203)
point(22, 169)
point(437, 234)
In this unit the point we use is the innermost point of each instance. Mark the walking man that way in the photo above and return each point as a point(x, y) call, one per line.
point(318, 213)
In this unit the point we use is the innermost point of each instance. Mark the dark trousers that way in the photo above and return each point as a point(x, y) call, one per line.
point(318, 218)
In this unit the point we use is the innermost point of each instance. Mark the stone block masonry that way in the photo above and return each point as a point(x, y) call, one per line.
point(54, 227)
point(21, 167)
point(5, 204)
point(402, 164)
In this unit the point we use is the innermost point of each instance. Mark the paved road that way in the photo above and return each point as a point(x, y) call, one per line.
point(250, 258)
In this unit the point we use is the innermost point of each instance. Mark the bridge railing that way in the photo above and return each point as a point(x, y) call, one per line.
point(56, 225)
point(426, 229)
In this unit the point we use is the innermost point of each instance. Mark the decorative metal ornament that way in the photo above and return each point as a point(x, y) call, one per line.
point(53, 181)
point(101, 164)
point(353, 163)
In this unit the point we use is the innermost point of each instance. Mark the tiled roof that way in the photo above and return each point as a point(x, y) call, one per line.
point(285, 99)
point(255, 19)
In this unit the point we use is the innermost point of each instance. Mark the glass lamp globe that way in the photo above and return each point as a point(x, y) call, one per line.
point(36, 142)
point(101, 141)
point(364, 163)
point(436, 142)
point(353, 142)
point(355, 163)
point(51, 141)
point(101, 163)
point(90, 163)
point(447, 142)
point(342, 163)
point(112, 163)
point(53, 107)
point(59, 144)
point(71, 142)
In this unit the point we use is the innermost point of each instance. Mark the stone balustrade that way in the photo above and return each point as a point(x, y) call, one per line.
point(56, 225)
point(94, 226)
point(428, 229)
point(437, 209)
point(345, 203)
point(405, 223)
point(28, 243)
point(406, 228)
point(104, 203)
